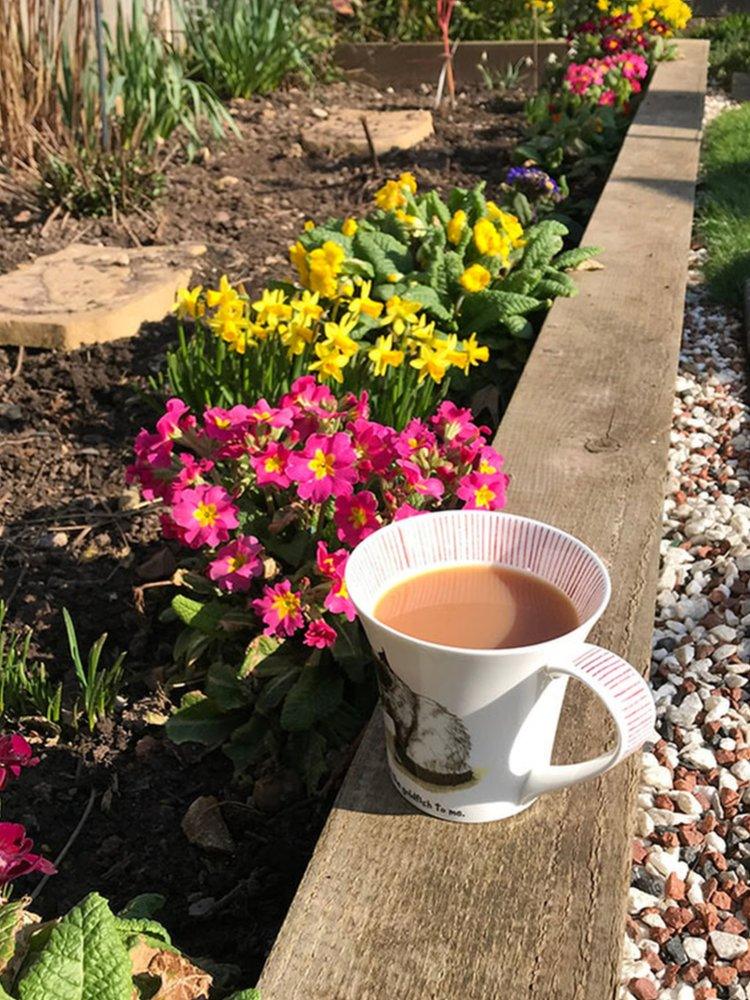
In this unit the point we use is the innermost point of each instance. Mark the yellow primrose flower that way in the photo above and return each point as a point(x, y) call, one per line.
point(323, 279)
point(408, 181)
point(400, 313)
point(390, 197)
point(456, 227)
point(330, 361)
point(296, 337)
point(364, 304)
point(309, 225)
point(430, 362)
point(334, 254)
point(475, 278)
point(602, 5)
point(306, 308)
point(298, 257)
point(408, 220)
point(189, 304)
point(488, 241)
point(272, 307)
point(349, 227)
point(225, 295)
point(512, 228)
point(383, 354)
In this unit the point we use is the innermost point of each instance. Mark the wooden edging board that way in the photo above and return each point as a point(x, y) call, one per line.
point(408, 64)
point(396, 904)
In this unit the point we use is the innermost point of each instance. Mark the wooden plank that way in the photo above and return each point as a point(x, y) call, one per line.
point(407, 64)
point(395, 904)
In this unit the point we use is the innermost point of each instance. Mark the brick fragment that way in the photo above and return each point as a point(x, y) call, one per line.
point(722, 975)
point(675, 887)
point(643, 989)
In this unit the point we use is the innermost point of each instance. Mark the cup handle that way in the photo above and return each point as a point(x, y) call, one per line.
point(629, 701)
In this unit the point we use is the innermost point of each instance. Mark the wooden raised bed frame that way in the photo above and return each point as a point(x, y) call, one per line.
point(396, 904)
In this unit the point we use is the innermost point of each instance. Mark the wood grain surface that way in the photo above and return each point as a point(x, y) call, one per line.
point(397, 905)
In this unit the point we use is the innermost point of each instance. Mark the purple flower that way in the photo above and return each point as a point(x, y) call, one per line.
point(533, 181)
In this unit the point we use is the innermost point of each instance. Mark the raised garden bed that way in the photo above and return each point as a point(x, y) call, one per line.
point(67, 423)
point(396, 904)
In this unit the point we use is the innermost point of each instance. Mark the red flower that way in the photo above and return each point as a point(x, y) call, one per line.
point(16, 858)
point(15, 754)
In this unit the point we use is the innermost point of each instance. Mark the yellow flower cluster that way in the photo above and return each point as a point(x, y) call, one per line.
point(393, 196)
point(328, 339)
point(675, 13)
point(495, 235)
point(541, 6)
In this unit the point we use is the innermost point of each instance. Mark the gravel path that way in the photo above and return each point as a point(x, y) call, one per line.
point(689, 903)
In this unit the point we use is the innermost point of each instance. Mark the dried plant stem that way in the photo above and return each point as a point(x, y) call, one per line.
point(69, 843)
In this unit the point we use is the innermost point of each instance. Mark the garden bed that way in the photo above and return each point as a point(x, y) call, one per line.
point(71, 536)
point(535, 906)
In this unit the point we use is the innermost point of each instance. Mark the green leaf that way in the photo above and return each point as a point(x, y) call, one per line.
point(224, 687)
point(274, 692)
point(251, 994)
point(386, 254)
point(476, 204)
point(257, 651)
point(316, 694)
point(142, 907)
point(130, 929)
point(571, 259)
point(307, 753)
point(84, 958)
point(428, 298)
point(248, 741)
point(11, 921)
point(557, 285)
point(434, 206)
point(522, 281)
point(541, 249)
point(203, 617)
point(201, 722)
point(485, 310)
point(349, 652)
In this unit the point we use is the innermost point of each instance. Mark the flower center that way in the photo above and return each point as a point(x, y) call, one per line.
point(273, 464)
point(285, 605)
point(486, 468)
point(222, 422)
point(234, 563)
point(205, 514)
point(358, 517)
point(321, 464)
point(484, 496)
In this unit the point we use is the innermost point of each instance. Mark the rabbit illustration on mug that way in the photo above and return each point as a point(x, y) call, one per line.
point(430, 742)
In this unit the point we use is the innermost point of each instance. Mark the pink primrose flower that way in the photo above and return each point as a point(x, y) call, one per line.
point(270, 465)
point(15, 755)
point(176, 420)
point(264, 413)
point(320, 634)
point(235, 564)
point(454, 423)
point(331, 564)
point(413, 438)
point(404, 511)
point(426, 485)
point(373, 444)
point(280, 608)
point(327, 467)
point(16, 857)
point(482, 492)
point(356, 517)
point(205, 513)
point(338, 601)
point(226, 425)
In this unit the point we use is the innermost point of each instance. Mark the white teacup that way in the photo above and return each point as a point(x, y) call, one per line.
point(470, 732)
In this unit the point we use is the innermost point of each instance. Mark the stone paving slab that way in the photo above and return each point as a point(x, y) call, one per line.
point(89, 294)
point(342, 133)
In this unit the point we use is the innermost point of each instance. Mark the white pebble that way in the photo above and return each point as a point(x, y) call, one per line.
point(700, 757)
point(728, 946)
point(639, 900)
point(695, 948)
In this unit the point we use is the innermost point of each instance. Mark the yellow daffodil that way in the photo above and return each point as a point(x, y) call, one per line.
point(364, 304)
point(471, 353)
point(232, 329)
point(456, 227)
point(400, 313)
point(225, 296)
point(306, 307)
point(349, 226)
point(272, 307)
point(384, 355)
point(338, 335)
point(475, 278)
point(421, 332)
point(330, 362)
point(602, 5)
point(296, 337)
point(430, 362)
point(189, 304)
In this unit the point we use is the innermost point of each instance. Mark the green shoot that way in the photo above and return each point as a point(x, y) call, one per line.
point(25, 688)
point(99, 686)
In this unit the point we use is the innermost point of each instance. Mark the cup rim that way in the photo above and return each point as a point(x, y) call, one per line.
point(587, 624)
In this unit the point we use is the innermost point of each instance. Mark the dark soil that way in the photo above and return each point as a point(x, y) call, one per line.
point(71, 533)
